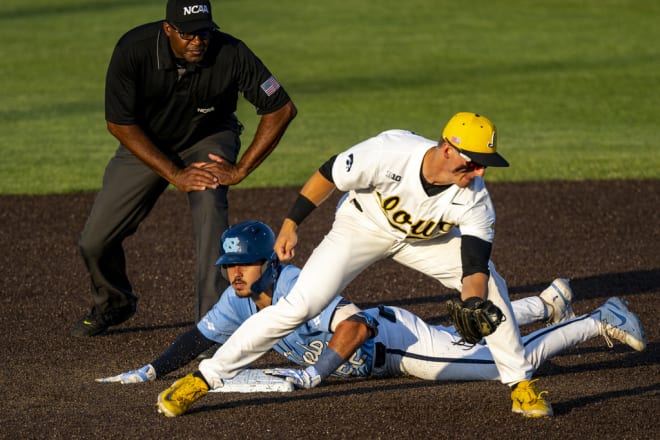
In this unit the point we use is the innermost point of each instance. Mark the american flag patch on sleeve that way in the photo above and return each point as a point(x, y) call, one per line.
point(270, 86)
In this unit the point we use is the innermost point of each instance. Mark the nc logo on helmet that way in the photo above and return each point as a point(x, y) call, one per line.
point(232, 245)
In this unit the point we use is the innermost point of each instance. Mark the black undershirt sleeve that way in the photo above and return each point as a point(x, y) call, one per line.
point(326, 168)
point(302, 207)
point(183, 350)
point(475, 254)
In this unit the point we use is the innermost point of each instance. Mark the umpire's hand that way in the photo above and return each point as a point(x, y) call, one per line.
point(198, 176)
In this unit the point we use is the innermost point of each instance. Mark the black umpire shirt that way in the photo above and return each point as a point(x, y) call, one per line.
point(176, 103)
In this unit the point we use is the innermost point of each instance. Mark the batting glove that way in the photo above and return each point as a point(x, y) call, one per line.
point(144, 374)
point(306, 379)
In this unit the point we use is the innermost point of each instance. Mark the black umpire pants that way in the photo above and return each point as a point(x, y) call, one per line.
point(129, 192)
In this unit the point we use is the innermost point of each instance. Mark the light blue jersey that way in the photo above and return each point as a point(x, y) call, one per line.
point(303, 346)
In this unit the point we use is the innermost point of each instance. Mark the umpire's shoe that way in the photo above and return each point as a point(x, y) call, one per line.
point(528, 401)
point(94, 323)
point(176, 400)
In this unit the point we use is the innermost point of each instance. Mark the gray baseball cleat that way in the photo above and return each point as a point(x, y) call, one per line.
point(558, 297)
point(621, 324)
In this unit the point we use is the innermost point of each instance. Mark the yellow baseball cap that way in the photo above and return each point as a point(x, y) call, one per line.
point(474, 136)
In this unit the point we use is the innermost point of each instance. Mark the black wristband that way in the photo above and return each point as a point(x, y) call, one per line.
point(302, 207)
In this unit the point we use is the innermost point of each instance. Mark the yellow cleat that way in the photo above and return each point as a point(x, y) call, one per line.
point(176, 400)
point(528, 401)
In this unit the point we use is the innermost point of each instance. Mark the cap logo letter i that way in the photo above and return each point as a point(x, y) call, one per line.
point(492, 140)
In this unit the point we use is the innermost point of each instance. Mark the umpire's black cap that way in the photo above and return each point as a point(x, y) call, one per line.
point(189, 15)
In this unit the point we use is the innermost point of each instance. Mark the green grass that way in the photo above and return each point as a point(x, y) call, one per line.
point(572, 85)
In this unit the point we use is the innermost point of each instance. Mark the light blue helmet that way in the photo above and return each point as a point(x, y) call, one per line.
point(246, 243)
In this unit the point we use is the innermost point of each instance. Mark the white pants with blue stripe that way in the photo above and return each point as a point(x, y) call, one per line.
point(415, 348)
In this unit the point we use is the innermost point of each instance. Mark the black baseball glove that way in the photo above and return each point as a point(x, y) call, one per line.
point(474, 318)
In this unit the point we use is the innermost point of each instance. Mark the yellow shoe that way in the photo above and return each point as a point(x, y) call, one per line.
point(176, 400)
point(528, 401)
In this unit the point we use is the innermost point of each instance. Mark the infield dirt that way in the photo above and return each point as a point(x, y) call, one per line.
point(604, 236)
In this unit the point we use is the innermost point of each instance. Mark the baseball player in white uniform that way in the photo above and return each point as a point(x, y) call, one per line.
point(383, 341)
point(420, 202)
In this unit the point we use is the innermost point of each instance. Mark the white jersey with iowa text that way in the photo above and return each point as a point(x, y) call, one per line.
point(383, 175)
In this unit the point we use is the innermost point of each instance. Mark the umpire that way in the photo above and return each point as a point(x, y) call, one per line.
point(171, 92)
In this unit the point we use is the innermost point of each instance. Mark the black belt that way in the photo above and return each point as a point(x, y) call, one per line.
point(379, 350)
point(387, 313)
point(379, 354)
